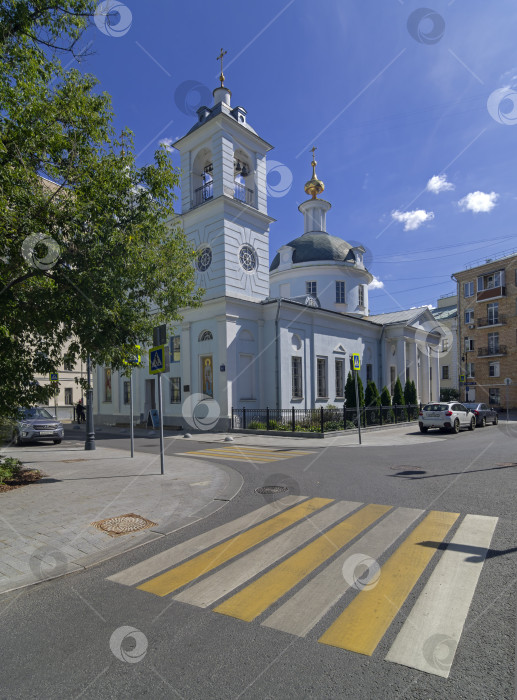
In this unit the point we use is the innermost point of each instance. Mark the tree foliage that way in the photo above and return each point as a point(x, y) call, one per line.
point(449, 394)
point(371, 395)
point(410, 394)
point(90, 256)
point(398, 394)
point(350, 391)
point(385, 397)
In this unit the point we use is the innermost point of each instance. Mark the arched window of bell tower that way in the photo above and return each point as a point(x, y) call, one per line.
point(202, 177)
point(244, 188)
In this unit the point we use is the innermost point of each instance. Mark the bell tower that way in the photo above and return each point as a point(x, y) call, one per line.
point(224, 199)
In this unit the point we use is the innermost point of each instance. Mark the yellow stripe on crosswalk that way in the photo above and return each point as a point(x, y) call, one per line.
point(184, 573)
point(259, 595)
point(361, 626)
point(234, 456)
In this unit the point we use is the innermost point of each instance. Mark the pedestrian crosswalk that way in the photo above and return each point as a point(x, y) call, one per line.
point(249, 454)
point(353, 564)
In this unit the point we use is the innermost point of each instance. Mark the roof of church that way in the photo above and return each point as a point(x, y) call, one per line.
point(445, 312)
point(317, 246)
point(404, 316)
point(212, 112)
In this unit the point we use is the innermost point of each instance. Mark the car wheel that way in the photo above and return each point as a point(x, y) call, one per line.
point(423, 429)
point(483, 422)
point(472, 424)
point(496, 420)
point(456, 426)
point(57, 442)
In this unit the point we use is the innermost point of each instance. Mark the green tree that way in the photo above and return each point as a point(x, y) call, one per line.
point(90, 253)
point(371, 395)
point(385, 397)
point(350, 391)
point(449, 394)
point(398, 394)
point(407, 391)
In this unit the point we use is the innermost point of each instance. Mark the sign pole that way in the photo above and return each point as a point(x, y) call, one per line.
point(357, 405)
point(131, 426)
point(161, 420)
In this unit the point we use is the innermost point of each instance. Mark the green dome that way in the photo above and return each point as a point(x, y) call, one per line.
point(317, 246)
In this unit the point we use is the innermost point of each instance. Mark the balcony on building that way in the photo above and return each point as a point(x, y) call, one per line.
point(496, 320)
point(491, 285)
point(492, 351)
point(243, 194)
point(204, 193)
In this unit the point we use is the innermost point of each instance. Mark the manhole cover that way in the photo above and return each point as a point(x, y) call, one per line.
point(68, 461)
point(406, 468)
point(271, 489)
point(123, 524)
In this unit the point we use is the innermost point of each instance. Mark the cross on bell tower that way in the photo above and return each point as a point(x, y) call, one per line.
point(220, 58)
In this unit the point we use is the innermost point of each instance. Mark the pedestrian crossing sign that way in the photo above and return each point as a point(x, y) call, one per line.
point(54, 376)
point(157, 359)
point(356, 361)
point(133, 360)
point(462, 378)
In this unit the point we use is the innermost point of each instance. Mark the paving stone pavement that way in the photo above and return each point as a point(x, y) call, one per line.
point(45, 527)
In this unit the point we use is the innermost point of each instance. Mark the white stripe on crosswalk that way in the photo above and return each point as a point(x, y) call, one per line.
point(234, 575)
point(301, 612)
point(171, 557)
point(432, 630)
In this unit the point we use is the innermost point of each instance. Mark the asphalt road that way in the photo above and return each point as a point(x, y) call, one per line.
point(86, 636)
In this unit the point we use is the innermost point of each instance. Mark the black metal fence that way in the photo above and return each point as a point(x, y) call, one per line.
point(320, 420)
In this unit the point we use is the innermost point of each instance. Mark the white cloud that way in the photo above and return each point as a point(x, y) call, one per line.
point(168, 144)
point(412, 219)
point(438, 183)
point(479, 201)
point(376, 283)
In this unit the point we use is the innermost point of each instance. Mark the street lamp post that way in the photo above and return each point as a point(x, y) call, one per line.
point(90, 431)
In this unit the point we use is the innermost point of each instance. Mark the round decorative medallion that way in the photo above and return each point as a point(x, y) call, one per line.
point(204, 259)
point(248, 258)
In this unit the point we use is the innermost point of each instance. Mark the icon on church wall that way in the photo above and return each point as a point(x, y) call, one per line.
point(279, 179)
point(107, 385)
point(207, 376)
point(113, 18)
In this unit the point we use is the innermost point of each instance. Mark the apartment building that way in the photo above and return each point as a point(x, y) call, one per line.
point(446, 313)
point(487, 331)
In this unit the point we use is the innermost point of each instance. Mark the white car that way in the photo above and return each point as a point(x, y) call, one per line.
point(446, 416)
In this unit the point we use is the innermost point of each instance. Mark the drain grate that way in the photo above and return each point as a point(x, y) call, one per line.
point(123, 524)
point(69, 461)
point(271, 489)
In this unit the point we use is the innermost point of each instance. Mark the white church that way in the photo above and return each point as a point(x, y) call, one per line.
point(278, 335)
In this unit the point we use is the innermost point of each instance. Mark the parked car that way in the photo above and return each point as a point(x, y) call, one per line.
point(37, 424)
point(446, 416)
point(484, 414)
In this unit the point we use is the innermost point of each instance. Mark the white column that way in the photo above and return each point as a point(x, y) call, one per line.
point(401, 360)
point(413, 366)
point(425, 364)
point(261, 394)
point(220, 378)
point(435, 363)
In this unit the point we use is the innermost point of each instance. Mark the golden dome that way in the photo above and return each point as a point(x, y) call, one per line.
point(314, 187)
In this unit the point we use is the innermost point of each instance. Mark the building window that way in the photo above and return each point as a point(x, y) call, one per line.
point(175, 354)
point(248, 258)
point(340, 292)
point(204, 259)
point(469, 317)
point(494, 397)
point(470, 370)
point(311, 289)
point(492, 313)
point(175, 383)
point(469, 344)
point(69, 397)
point(340, 378)
point(126, 391)
point(468, 289)
point(493, 343)
point(369, 373)
point(445, 372)
point(361, 294)
point(296, 377)
point(393, 379)
point(322, 378)
point(107, 385)
point(494, 369)
point(68, 365)
point(445, 345)
point(205, 335)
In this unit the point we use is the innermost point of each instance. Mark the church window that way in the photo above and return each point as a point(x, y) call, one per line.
point(175, 385)
point(340, 378)
point(340, 292)
point(296, 377)
point(248, 258)
point(369, 373)
point(205, 335)
point(175, 353)
point(311, 289)
point(321, 378)
point(204, 259)
point(127, 393)
point(361, 295)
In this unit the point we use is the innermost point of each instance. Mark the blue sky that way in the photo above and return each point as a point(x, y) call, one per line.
point(391, 94)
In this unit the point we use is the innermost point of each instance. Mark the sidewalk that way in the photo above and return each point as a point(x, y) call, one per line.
point(45, 528)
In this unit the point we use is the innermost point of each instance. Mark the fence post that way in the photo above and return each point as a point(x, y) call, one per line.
point(395, 412)
point(344, 416)
point(321, 419)
point(232, 418)
point(293, 425)
point(267, 417)
point(244, 418)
